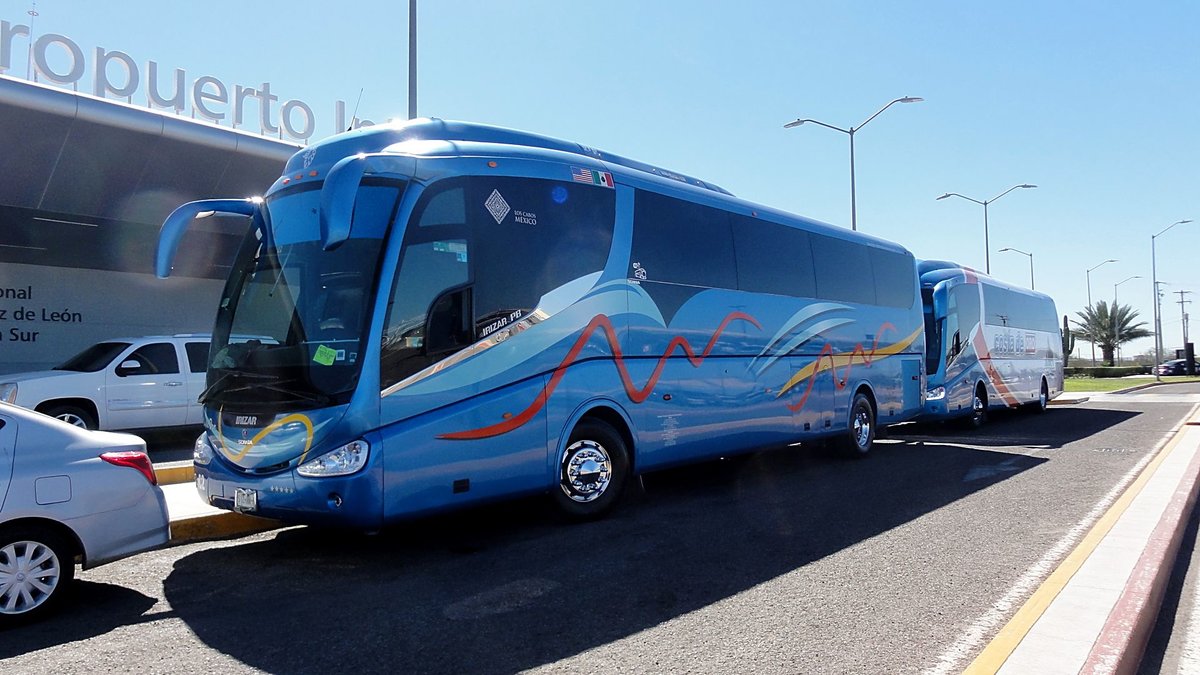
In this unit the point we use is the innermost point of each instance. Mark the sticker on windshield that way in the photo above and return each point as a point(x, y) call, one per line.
point(497, 206)
point(325, 355)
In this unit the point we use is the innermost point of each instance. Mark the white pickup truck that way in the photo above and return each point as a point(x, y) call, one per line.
point(127, 383)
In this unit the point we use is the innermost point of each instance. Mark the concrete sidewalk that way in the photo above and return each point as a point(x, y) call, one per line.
point(1095, 612)
point(194, 520)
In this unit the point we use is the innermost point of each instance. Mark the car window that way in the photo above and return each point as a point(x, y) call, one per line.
point(152, 359)
point(197, 355)
point(94, 358)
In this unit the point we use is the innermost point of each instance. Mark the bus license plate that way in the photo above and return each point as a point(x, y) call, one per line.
point(245, 499)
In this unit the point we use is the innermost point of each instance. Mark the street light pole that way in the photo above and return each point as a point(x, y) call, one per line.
point(412, 59)
point(850, 132)
point(1089, 292)
point(1117, 323)
point(987, 258)
point(1157, 301)
point(1017, 250)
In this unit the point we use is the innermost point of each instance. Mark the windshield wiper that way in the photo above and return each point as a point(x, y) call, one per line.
point(236, 374)
point(315, 397)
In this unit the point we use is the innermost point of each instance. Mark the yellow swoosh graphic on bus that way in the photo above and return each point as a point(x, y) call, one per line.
point(827, 360)
point(302, 419)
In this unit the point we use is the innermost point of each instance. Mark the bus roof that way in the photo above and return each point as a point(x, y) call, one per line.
point(377, 138)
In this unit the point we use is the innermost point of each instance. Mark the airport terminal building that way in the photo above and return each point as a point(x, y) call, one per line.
point(86, 184)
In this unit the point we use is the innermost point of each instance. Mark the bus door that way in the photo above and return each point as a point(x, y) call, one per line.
point(961, 359)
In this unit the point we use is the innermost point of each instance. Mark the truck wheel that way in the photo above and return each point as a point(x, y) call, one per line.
point(73, 415)
point(860, 431)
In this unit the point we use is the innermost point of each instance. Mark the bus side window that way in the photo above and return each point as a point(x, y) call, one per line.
point(449, 326)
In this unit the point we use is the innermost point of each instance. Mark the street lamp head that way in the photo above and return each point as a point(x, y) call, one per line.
point(943, 196)
point(1027, 185)
point(911, 99)
point(1182, 222)
point(797, 123)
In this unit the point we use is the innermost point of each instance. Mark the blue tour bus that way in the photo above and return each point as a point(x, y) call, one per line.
point(454, 312)
point(988, 344)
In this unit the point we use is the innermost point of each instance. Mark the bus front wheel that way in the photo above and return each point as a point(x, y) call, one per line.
point(592, 471)
point(860, 433)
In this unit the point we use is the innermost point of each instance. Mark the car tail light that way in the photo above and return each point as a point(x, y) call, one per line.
point(134, 460)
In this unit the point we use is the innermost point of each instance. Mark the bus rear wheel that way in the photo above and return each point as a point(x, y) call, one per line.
point(1043, 401)
point(860, 432)
point(592, 471)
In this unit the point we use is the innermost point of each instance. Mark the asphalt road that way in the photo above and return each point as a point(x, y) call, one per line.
point(782, 562)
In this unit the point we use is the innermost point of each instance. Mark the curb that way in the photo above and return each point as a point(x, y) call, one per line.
point(218, 526)
point(173, 473)
point(1122, 643)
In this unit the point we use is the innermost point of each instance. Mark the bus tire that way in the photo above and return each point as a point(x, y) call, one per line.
point(1043, 401)
point(860, 428)
point(592, 471)
point(979, 410)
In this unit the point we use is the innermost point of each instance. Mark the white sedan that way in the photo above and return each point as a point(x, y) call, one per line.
point(67, 495)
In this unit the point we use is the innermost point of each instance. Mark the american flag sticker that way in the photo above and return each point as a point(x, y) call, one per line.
point(591, 177)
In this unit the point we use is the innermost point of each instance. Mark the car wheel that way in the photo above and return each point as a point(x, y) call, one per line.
point(860, 430)
point(36, 569)
point(592, 471)
point(73, 415)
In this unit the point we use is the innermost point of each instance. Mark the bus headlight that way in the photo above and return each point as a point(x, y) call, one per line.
point(340, 462)
point(202, 450)
point(935, 394)
point(8, 392)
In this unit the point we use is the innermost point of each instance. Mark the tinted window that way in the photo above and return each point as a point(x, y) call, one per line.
point(895, 277)
point(843, 270)
point(553, 233)
point(1015, 309)
point(680, 242)
point(153, 359)
point(197, 355)
point(485, 251)
point(773, 258)
point(94, 358)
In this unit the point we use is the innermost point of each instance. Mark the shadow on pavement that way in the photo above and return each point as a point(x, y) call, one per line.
point(505, 588)
point(1055, 428)
point(92, 609)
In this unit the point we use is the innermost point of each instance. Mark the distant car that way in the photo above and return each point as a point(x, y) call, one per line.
point(1175, 367)
point(128, 383)
point(68, 494)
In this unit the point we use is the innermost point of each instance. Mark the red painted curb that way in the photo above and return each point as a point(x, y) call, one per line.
point(1122, 641)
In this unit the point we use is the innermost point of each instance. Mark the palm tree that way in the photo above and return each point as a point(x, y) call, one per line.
point(1107, 327)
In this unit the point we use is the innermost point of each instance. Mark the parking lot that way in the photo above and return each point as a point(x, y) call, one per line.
point(782, 561)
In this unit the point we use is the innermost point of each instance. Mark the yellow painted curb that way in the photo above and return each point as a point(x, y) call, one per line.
point(992, 658)
point(172, 474)
point(218, 526)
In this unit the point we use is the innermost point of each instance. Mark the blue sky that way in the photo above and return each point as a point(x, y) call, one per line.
point(1096, 103)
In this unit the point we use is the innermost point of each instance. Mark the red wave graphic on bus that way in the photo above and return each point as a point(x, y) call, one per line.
point(827, 360)
point(601, 323)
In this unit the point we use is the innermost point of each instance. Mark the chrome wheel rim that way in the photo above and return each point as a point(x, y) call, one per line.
point(861, 427)
point(29, 575)
point(586, 471)
point(1043, 397)
point(72, 419)
point(977, 408)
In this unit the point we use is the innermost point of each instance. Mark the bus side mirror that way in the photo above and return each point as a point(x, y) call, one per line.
point(177, 223)
point(337, 200)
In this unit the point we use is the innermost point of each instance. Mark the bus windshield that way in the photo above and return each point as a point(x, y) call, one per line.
point(290, 324)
